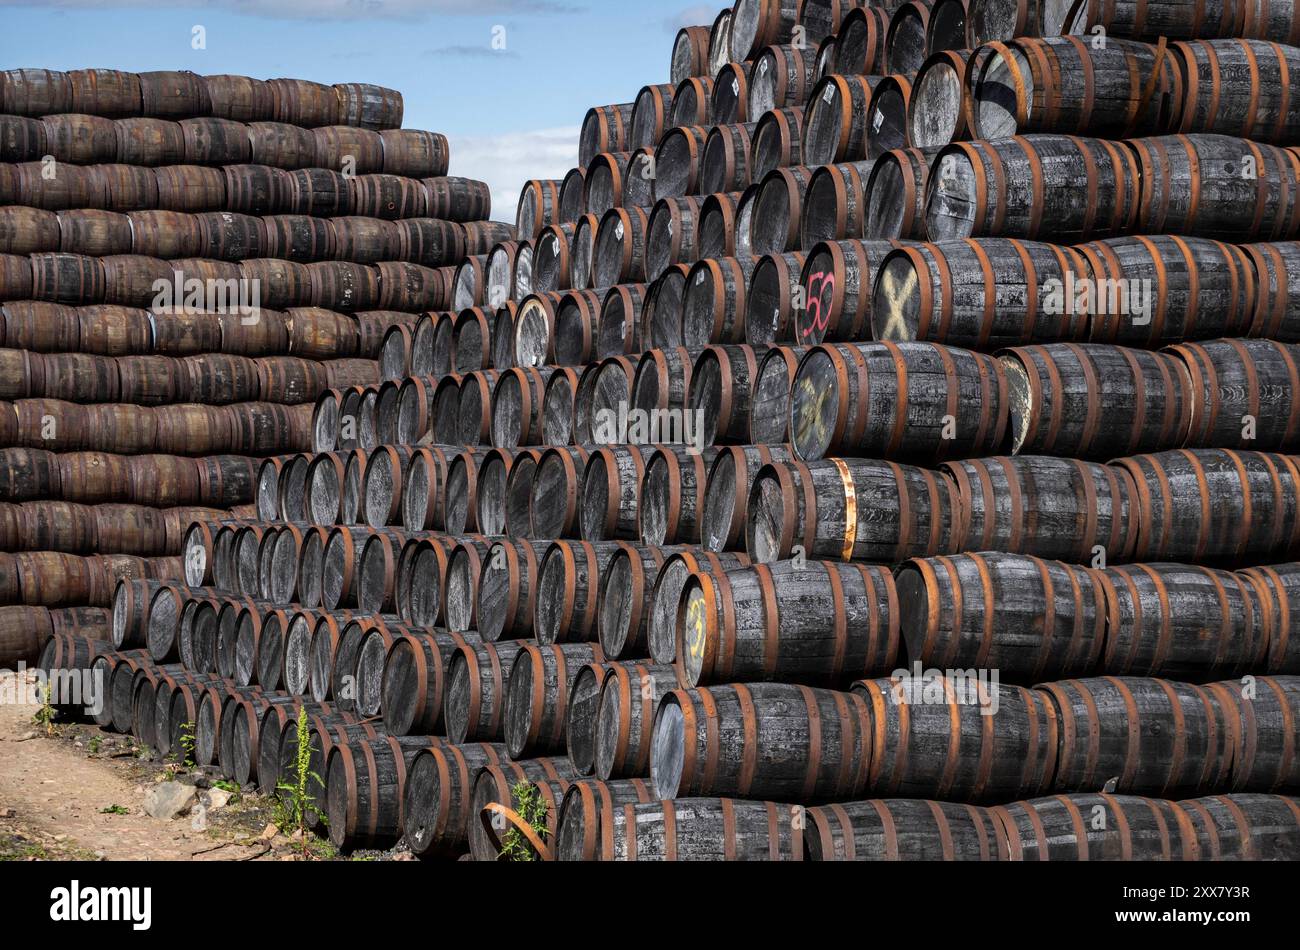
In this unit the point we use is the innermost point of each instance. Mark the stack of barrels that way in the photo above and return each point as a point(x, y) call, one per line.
point(186, 263)
point(882, 446)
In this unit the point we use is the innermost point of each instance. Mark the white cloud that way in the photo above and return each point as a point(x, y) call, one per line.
point(327, 9)
point(702, 14)
point(505, 162)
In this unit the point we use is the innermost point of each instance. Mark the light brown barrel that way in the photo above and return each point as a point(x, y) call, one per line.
point(822, 507)
point(1206, 505)
point(26, 230)
point(1093, 400)
point(1147, 736)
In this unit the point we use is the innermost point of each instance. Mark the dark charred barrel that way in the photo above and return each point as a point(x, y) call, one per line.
point(729, 100)
point(605, 182)
point(935, 737)
point(725, 505)
point(699, 829)
point(987, 21)
point(779, 210)
point(554, 507)
point(386, 474)
point(822, 507)
point(661, 314)
point(1235, 86)
point(1207, 505)
point(678, 159)
point(759, 23)
point(474, 704)
point(770, 299)
point(498, 797)
point(905, 40)
point(821, 624)
point(584, 826)
point(537, 695)
point(887, 114)
point(1242, 393)
point(837, 282)
point(625, 716)
point(414, 681)
point(672, 235)
point(63, 278)
point(997, 189)
point(1066, 84)
point(724, 165)
point(573, 196)
point(552, 259)
point(611, 492)
point(835, 123)
point(668, 510)
point(1146, 736)
point(1185, 622)
point(1260, 713)
point(1196, 184)
point(422, 580)
point(493, 500)
point(715, 231)
point(722, 384)
point(900, 829)
point(437, 799)
point(782, 77)
point(580, 728)
point(939, 109)
point(507, 588)
point(690, 55)
point(777, 141)
point(517, 405)
point(1096, 827)
point(714, 302)
point(474, 426)
point(1245, 827)
point(833, 207)
point(1164, 20)
point(568, 590)
point(460, 505)
point(1065, 509)
point(626, 585)
point(1177, 288)
point(618, 256)
point(945, 402)
point(578, 320)
point(784, 741)
point(1060, 393)
point(1051, 617)
point(37, 92)
point(638, 191)
point(692, 103)
point(364, 783)
point(769, 422)
point(982, 294)
point(423, 494)
point(604, 129)
point(1279, 588)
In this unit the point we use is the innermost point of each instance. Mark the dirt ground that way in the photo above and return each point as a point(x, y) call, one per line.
point(76, 793)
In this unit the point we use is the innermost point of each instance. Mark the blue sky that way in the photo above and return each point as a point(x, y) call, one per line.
point(511, 115)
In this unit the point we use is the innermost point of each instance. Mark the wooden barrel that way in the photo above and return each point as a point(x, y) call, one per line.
point(939, 109)
point(1081, 512)
point(165, 234)
point(604, 129)
point(819, 506)
point(27, 230)
point(36, 92)
point(751, 625)
point(837, 282)
point(611, 491)
point(1096, 827)
point(80, 139)
point(1261, 715)
point(1051, 617)
point(958, 739)
point(980, 293)
point(537, 695)
point(1242, 393)
point(1245, 827)
point(498, 796)
point(668, 509)
point(769, 411)
point(554, 507)
point(623, 717)
point(785, 741)
point(1206, 505)
point(65, 278)
point(716, 231)
point(887, 114)
point(835, 123)
point(625, 599)
point(1184, 622)
point(579, 318)
point(724, 507)
point(534, 342)
point(905, 40)
point(698, 829)
point(679, 155)
point(1216, 186)
point(770, 298)
point(455, 199)
point(1171, 20)
point(1275, 300)
point(1278, 588)
point(437, 799)
point(900, 829)
point(73, 187)
point(997, 189)
point(568, 590)
point(1147, 736)
point(474, 706)
point(945, 402)
point(584, 824)
point(214, 141)
point(539, 204)
point(724, 163)
point(777, 141)
point(1061, 392)
point(33, 325)
point(1068, 85)
point(832, 206)
point(778, 211)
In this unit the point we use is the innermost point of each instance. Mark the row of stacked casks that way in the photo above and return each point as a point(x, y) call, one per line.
point(427, 239)
point(796, 743)
point(138, 281)
point(676, 603)
point(182, 94)
point(1046, 398)
point(244, 188)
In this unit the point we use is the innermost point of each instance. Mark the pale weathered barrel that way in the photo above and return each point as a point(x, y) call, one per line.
point(901, 829)
point(1096, 827)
